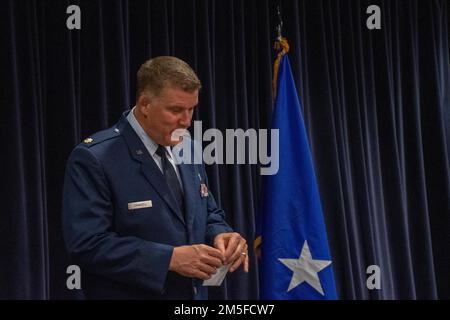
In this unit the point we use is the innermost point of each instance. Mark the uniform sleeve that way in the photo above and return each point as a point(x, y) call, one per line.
point(88, 230)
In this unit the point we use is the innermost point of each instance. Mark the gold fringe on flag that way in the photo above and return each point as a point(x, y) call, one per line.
point(283, 47)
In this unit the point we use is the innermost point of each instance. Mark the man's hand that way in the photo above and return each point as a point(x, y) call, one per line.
point(234, 248)
point(196, 261)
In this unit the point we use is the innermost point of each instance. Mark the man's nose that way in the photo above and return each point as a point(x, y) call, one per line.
point(185, 119)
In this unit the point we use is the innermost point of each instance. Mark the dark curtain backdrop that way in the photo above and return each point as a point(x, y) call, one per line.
point(376, 107)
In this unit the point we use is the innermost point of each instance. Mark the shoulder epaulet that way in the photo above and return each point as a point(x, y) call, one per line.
point(101, 136)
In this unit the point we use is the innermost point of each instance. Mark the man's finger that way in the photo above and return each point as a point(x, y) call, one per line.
point(237, 263)
point(246, 264)
point(232, 245)
point(213, 252)
point(212, 261)
point(206, 268)
point(201, 275)
point(240, 249)
point(221, 245)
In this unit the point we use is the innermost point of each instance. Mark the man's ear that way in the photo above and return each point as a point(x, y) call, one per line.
point(143, 104)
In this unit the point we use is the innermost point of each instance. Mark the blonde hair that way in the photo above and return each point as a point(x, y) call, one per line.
point(157, 73)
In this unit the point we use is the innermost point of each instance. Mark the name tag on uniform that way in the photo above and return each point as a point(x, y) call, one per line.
point(140, 205)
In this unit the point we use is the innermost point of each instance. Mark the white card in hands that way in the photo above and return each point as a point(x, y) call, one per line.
point(217, 278)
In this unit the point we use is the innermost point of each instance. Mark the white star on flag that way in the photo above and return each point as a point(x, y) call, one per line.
point(306, 269)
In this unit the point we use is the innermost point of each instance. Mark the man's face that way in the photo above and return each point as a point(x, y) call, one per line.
point(171, 110)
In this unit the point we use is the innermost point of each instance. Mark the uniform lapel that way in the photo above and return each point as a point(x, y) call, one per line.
point(191, 189)
point(149, 168)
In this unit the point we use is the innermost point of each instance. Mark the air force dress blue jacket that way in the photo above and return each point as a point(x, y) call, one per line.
point(121, 223)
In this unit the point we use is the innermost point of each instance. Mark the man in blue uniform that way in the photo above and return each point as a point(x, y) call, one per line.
point(139, 225)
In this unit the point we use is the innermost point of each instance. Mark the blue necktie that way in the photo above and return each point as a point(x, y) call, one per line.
point(171, 177)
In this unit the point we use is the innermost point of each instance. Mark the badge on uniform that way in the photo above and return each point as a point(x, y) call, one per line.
point(140, 205)
point(203, 190)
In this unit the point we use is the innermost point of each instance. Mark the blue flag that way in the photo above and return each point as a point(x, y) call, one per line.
point(295, 258)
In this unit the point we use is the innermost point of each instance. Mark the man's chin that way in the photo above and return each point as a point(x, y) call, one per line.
point(173, 143)
point(177, 136)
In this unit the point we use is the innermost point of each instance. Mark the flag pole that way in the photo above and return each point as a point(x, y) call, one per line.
point(282, 46)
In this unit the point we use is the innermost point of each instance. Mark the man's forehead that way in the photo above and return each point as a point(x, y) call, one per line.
point(176, 90)
point(179, 97)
